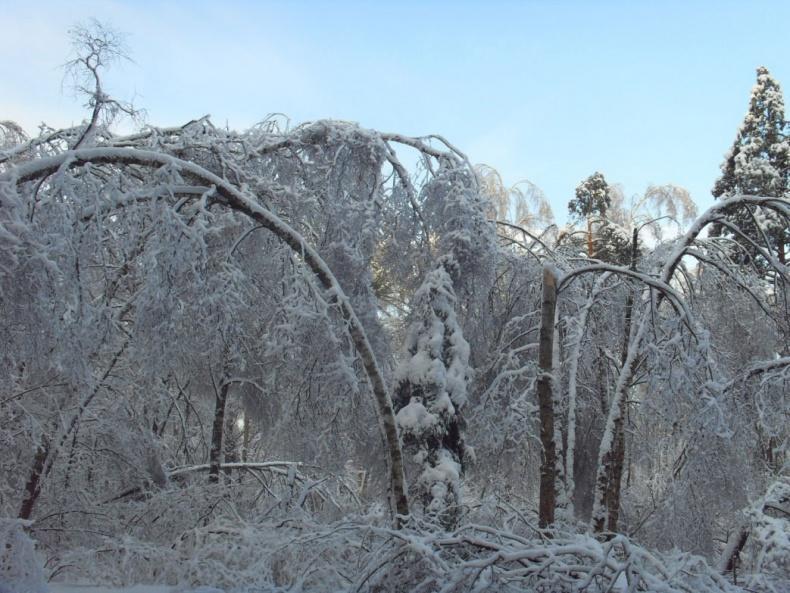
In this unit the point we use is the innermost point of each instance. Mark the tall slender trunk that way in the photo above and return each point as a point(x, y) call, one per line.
point(72, 458)
point(618, 461)
point(548, 468)
point(562, 500)
point(574, 357)
point(607, 453)
point(601, 379)
point(615, 479)
point(217, 433)
point(245, 441)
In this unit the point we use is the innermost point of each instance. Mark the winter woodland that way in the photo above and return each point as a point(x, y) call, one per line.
point(320, 357)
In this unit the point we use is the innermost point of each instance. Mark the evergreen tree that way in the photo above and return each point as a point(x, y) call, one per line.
point(758, 164)
point(592, 199)
point(431, 389)
point(605, 241)
point(612, 244)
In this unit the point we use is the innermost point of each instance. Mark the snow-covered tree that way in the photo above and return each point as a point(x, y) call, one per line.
point(758, 164)
point(523, 204)
point(217, 342)
point(591, 201)
point(431, 393)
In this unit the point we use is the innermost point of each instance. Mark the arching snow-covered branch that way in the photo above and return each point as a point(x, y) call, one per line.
point(231, 197)
point(713, 214)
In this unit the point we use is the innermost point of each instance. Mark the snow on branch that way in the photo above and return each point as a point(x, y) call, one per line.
point(228, 195)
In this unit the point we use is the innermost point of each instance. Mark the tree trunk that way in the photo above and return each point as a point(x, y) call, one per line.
point(615, 479)
point(732, 551)
point(616, 474)
point(607, 453)
point(548, 467)
point(245, 442)
point(33, 485)
point(46, 454)
point(574, 356)
point(217, 433)
point(72, 457)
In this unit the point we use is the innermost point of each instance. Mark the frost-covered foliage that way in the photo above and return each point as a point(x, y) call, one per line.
point(768, 528)
point(431, 393)
point(592, 197)
point(523, 204)
point(216, 343)
point(166, 331)
point(20, 570)
point(758, 164)
point(359, 554)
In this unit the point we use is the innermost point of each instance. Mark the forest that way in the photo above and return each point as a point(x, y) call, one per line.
point(320, 357)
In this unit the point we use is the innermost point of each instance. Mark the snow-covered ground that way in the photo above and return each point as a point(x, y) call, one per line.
point(620, 585)
point(63, 588)
point(60, 588)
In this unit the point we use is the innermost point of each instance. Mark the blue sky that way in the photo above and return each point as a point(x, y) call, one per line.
point(645, 92)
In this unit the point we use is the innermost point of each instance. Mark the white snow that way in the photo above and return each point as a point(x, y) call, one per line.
point(415, 418)
point(64, 588)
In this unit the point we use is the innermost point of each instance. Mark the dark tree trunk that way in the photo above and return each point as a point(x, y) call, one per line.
point(33, 485)
point(47, 453)
point(245, 443)
point(217, 433)
point(732, 551)
point(72, 458)
point(615, 480)
point(548, 468)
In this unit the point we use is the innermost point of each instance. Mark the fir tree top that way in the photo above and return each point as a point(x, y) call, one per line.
point(759, 160)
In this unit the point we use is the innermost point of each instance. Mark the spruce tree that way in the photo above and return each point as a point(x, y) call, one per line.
point(430, 394)
point(758, 164)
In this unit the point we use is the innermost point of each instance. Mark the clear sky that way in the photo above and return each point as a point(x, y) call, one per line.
point(645, 92)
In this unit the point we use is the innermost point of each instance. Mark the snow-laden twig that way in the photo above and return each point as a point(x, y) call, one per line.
point(238, 201)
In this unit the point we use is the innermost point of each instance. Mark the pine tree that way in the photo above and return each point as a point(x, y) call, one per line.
point(604, 240)
point(592, 199)
point(758, 164)
point(432, 381)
